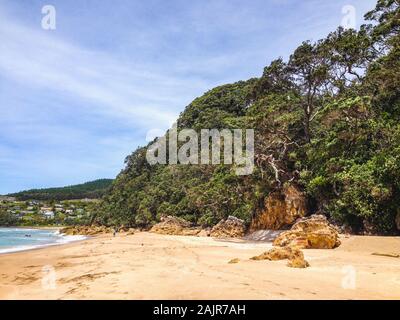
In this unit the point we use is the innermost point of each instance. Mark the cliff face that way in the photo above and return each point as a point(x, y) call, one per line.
point(282, 208)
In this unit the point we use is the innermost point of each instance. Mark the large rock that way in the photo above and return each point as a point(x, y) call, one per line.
point(310, 233)
point(294, 255)
point(281, 208)
point(174, 226)
point(229, 228)
point(298, 262)
point(86, 230)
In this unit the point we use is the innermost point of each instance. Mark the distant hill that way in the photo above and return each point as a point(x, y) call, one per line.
point(91, 190)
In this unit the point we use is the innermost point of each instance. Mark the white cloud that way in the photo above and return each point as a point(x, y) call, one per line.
point(37, 58)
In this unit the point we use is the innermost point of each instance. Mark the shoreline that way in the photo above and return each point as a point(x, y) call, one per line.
point(152, 266)
point(62, 240)
point(33, 227)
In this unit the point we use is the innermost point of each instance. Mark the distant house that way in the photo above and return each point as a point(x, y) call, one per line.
point(69, 211)
point(48, 214)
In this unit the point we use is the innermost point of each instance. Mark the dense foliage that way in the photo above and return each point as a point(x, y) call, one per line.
point(7, 219)
point(327, 120)
point(90, 190)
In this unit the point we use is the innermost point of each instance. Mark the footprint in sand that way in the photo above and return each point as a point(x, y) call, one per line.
point(25, 278)
point(88, 277)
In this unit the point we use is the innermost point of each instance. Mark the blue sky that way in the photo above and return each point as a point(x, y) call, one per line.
point(75, 101)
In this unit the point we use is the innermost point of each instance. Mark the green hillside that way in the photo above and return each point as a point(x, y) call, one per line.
point(91, 190)
point(326, 120)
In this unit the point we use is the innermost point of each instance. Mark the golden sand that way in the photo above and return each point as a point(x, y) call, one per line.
point(151, 266)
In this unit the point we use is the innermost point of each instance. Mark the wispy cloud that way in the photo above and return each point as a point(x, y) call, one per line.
point(39, 59)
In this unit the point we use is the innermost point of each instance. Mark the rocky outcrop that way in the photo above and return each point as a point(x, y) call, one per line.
point(174, 226)
point(229, 228)
point(281, 208)
point(314, 232)
point(294, 255)
point(86, 230)
point(298, 262)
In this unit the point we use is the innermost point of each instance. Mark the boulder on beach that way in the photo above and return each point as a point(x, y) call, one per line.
point(298, 262)
point(170, 225)
point(281, 208)
point(86, 230)
point(294, 255)
point(313, 232)
point(229, 228)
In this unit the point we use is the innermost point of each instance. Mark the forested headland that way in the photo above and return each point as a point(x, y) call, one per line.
point(326, 121)
point(90, 190)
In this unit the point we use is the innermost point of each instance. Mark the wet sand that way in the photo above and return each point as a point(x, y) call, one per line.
point(151, 266)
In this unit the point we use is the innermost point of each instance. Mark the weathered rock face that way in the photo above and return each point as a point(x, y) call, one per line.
point(276, 254)
point(86, 230)
point(229, 228)
point(298, 262)
point(281, 209)
point(174, 226)
point(294, 255)
point(310, 233)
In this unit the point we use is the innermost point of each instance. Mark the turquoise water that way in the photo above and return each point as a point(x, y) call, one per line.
point(16, 239)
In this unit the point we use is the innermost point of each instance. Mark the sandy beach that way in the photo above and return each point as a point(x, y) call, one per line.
point(151, 266)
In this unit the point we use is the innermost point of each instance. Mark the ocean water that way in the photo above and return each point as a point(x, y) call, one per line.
point(17, 239)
